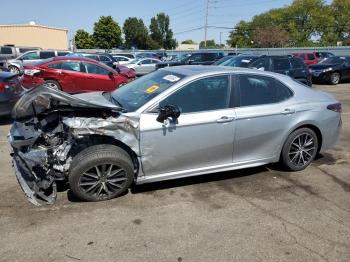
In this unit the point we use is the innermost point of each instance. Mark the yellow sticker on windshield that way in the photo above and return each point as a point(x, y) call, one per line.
point(151, 89)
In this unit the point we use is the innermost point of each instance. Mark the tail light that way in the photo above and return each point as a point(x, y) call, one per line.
point(6, 85)
point(2, 87)
point(335, 107)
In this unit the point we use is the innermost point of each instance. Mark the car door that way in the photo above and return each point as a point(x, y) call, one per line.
point(70, 76)
point(200, 138)
point(97, 78)
point(145, 66)
point(281, 65)
point(263, 115)
point(299, 70)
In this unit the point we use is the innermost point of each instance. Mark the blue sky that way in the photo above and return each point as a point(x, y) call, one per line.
point(184, 14)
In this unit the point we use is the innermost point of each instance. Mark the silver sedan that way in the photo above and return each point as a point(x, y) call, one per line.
point(143, 66)
point(175, 122)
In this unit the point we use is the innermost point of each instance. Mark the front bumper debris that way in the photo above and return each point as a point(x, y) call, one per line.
point(35, 188)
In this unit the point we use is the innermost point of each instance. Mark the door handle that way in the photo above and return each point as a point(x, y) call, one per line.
point(225, 119)
point(288, 111)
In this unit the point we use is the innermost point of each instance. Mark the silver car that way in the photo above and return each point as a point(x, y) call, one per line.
point(175, 122)
point(143, 66)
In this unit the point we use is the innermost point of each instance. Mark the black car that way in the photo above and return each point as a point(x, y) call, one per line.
point(10, 91)
point(323, 55)
point(236, 61)
point(332, 70)
point(200, 58)
point(287, 65)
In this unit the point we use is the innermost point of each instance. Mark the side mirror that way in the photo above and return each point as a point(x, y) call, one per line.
point(167, 111)
point(111, 75)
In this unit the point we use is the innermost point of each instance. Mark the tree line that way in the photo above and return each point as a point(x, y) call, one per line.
point(107, 34)
point(303, 23)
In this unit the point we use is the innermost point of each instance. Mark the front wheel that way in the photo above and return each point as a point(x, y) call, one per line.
point(53, 84)
point(14, 69)
point(101, 172)
point(335, 78)
point(300, 149)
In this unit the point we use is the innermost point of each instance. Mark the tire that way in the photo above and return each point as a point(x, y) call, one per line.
point(335, 78)
point(53, 84)
point(300, 149)
point(115, 175)
point(14, 69)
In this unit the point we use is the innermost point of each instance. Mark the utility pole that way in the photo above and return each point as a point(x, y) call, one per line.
point(206, 25)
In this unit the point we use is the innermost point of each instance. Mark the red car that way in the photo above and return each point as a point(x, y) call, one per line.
point(76, 75)
point(308, 58)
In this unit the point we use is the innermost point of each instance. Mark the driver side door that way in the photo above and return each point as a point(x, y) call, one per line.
point(202, 137)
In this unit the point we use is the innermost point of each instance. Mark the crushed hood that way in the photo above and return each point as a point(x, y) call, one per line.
point(42, 98)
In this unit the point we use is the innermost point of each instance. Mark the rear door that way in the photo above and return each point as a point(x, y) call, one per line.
point(145, 67)
point(263, 116)
point(96, 78)
point(70, 76)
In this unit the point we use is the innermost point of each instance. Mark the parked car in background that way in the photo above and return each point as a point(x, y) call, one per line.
point(173, 123)
point(308, 58)
point(16, 65)
point(129, 55)
point(148, 55)
point(122, 60)
point(75, 75)
point(236, 61)
point(287, 65)
point(323, 55)
point(10, 91)
point(143, 66)
point(104, 58)
point(11, 52)
point(332, 70)
point(200, 58)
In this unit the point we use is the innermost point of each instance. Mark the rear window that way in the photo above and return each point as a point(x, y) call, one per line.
point(62, 53)
point(6, 50)
point(47, 54)
point(55, 65)
point(310, 57)
point(209, 56)
point(105, 58)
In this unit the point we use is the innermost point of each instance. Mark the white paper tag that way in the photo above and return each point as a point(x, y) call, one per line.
point(171, 78)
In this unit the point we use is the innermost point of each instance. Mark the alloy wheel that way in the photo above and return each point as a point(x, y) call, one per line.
point(102, 181)
point(335, 78)
point(52, 85)
point(302, 150)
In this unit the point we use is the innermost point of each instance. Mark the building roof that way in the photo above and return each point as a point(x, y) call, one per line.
point(34, 25)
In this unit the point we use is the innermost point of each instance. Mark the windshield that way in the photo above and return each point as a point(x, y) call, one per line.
point(238, 61)
point(333, 60)
point(138, 92)
point(220, 61)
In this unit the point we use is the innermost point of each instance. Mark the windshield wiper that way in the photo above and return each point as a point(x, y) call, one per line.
point(115, 101)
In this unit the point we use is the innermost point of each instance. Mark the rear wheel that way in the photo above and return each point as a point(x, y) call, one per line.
point(53, 84)
point(335, 78)
point(300, 149)
point(101, 172)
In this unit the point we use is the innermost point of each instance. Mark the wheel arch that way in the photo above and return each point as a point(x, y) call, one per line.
point(93, 139)
point(313, 128)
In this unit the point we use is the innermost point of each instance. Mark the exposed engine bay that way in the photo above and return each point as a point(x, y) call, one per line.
point(51, 127)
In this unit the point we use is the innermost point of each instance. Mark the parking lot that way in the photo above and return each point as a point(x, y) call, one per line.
point(259, 214)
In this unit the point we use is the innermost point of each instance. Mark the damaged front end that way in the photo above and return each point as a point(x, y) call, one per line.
point(51, 127)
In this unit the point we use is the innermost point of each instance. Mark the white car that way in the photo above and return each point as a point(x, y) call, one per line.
point(122, 60)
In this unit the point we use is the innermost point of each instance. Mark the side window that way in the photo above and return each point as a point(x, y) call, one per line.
point(55, 65)
point(281, 64)
point(71, 66)
point(6, 50)
point(297, 63)
point(260, 63)
point(196, 57)
point(260, 90)
point(47, 54)
point(94, 69)
point(62, 53)
point(146, 62)
point(104, 58)
point(209, 57)
point(201, 95)
point(310, 57)
point(30, 56)
point(93, 57)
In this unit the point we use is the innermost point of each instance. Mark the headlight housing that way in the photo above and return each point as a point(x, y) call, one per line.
point(327, 69)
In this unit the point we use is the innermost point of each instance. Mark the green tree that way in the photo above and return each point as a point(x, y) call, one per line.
point(210, 44)
point(161, 32)
point(188, 42)
point(136, 33)
point(270, 37)
point(241, 35)
point(107, 33)
point(83, 40)
point(340, 10)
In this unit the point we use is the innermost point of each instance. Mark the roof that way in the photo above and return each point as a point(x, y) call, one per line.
point(38, 26)
point(192, 70)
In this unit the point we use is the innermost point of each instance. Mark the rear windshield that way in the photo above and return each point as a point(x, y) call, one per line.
point(333, 60)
